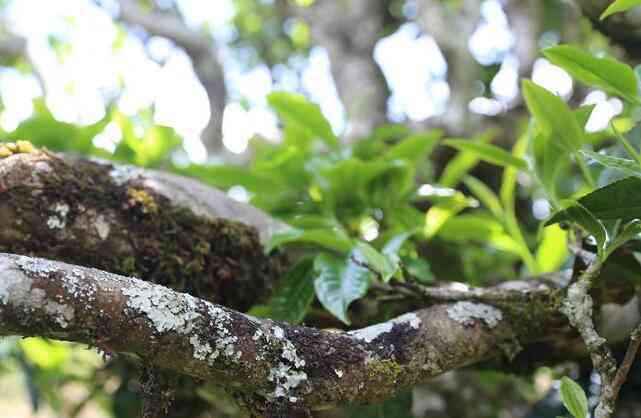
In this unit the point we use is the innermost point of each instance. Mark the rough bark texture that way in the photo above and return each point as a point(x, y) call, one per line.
point(165, 229)
point(279, 362)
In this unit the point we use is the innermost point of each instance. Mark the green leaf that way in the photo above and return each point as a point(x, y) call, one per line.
point(630, 231)
point(463, 162)
point(47, 354)
point(437, 215)
point(384, 266)
point(549, 159)
point(619, 6)
point(618, 200)
point(624, 165)
point(334, 239)
point(418, 269)
point(608, 74)
point(297, 110)
point(414, 147)
point(573, 398)
point(293, 296)
point(479, 228)
point(339, 282)
point(553, 249)
point(553, 115)
point(488, 152)
point(485, 195)
point(589, 222)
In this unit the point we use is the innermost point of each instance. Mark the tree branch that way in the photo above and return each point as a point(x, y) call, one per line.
point(200, 49)
point(157, 226)
point(304, 366)
point(578, 307)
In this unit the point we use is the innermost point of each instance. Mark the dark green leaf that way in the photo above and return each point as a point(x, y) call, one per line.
point(418, 269)
point(339, 282)
point(612, 76)
point(489, 153)
point(293, 296)
point(630, 231)
point(578, 213)
point(573, 398)
point(618, 200)
point(334, 239)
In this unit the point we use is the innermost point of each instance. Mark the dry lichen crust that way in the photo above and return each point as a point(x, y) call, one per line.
point(279, 362)
point(109, 217)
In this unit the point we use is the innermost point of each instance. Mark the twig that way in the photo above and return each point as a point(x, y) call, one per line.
point(578, 307)
point(628, 360)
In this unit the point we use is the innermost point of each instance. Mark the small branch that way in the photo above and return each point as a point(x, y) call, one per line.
point(578, 307)
point(628, 360)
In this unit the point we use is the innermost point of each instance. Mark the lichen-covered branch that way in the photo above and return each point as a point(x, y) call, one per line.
point(276, 361)
point(162, 228)
point(578, 307)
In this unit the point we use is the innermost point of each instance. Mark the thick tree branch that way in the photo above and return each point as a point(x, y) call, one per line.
point(304, 366)
point(200, 49)
point(157, 226)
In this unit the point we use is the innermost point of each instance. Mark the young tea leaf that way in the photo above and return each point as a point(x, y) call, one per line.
point(619, 6)
point(488, 152)
point(573, 398)
point(608, 74)
point(296, 109)
point(553, 115)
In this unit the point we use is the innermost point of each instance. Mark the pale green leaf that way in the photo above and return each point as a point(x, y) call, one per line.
point(573, 398)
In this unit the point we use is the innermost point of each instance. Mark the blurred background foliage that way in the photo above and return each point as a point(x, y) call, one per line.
point(390, 134)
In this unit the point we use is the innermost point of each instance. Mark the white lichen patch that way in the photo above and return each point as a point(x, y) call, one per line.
point(338, 372)
point(371, 333)
point(16, 289)
point(59, 220)
point(286, 378)
point(163, 308)
point(466, 313)
point(278, 332)
point(177, 313)
point(121, 174)
point(102, 227)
